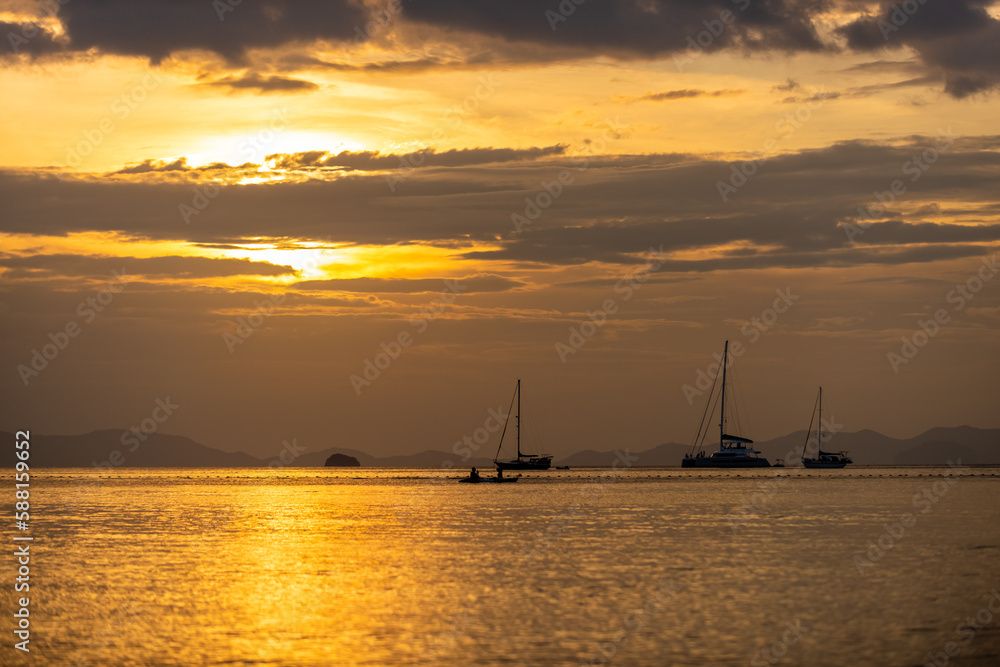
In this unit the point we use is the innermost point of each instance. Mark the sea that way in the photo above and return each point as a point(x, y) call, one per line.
point(286, 567)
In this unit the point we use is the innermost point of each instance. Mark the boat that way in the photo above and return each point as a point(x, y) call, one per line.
point(823, 459)
point(523, 461)
point(734, 451)
point(488, 480)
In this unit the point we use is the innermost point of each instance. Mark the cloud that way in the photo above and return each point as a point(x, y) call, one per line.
point(28, 38)
point(787, 87)
point(650, 28)
point(156, 29)
point(959, 38)
point(263, 84)
point(670, 95)
point(36, 267)
point(374, 160)
point(612, 208)
point(147, 166)
point(470, 284)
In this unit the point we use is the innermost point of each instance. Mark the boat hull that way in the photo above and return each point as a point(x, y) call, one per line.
point(710, 462)
point(823, 464)
point(533, 464)
point(488, 480)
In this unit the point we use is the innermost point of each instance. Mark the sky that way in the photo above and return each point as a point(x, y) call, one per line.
point(357, 224)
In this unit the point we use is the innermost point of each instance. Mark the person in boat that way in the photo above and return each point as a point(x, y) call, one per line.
point(499, 473)
point(474, 474)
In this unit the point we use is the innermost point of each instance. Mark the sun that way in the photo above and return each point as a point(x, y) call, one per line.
point(271, 139)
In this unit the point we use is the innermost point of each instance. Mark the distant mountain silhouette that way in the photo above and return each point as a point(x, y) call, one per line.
point(936, 446)
point(342, 460)
point(106, 448)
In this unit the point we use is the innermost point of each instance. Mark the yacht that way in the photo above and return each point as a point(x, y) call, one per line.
point(823, 459)
point(523, 461)
point(734, 451)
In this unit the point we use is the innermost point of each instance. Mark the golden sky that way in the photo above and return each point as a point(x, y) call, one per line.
point(292, 188)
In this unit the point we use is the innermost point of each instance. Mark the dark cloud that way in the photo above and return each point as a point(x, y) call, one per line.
point(147, 166)
point(263, 84)
point(180, 165)
point(650, 28)
point(669, 95)
point(815, 97)
point(469, 284)
point(959, 38)
point(27, 38)
point(610, 209)
point(158, 28)
point(787, 87)
point(103, 268)
point(374, 160)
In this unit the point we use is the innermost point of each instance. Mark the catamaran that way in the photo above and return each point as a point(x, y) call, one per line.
point(823, 459)
point(733, 450)
point(523, 461)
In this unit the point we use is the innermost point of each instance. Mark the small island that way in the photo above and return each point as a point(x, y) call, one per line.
point(343, 461)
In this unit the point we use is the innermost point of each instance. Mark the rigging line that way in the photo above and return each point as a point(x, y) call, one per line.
point(510, 409)
point(698, 437)
point(735, 402)
point(812, 419)
point(707, 426)
point(532, 429)
point(742, 414)
point(832, 432)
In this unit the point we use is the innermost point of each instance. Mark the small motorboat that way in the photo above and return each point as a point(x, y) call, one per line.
point(488, 480)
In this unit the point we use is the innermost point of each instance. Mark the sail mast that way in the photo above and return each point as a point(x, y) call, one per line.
point(819, 427)
point(517, 419)
point(722, 413)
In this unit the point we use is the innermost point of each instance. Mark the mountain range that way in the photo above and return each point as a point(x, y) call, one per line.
point(105, 448)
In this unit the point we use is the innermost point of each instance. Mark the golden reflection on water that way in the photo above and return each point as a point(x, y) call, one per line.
point(314, 567)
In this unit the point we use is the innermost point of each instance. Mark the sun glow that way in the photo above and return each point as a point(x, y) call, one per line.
point(272, 138)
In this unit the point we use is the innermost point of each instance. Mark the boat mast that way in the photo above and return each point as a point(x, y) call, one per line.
point(722, 414)
point(819, 427)
point(517, 419)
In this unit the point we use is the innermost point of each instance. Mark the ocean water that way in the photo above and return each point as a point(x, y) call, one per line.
point(301, 567)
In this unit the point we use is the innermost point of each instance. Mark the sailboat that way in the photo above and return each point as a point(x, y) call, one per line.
point(733, 450)
point(823, 459)
point(523, 461)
